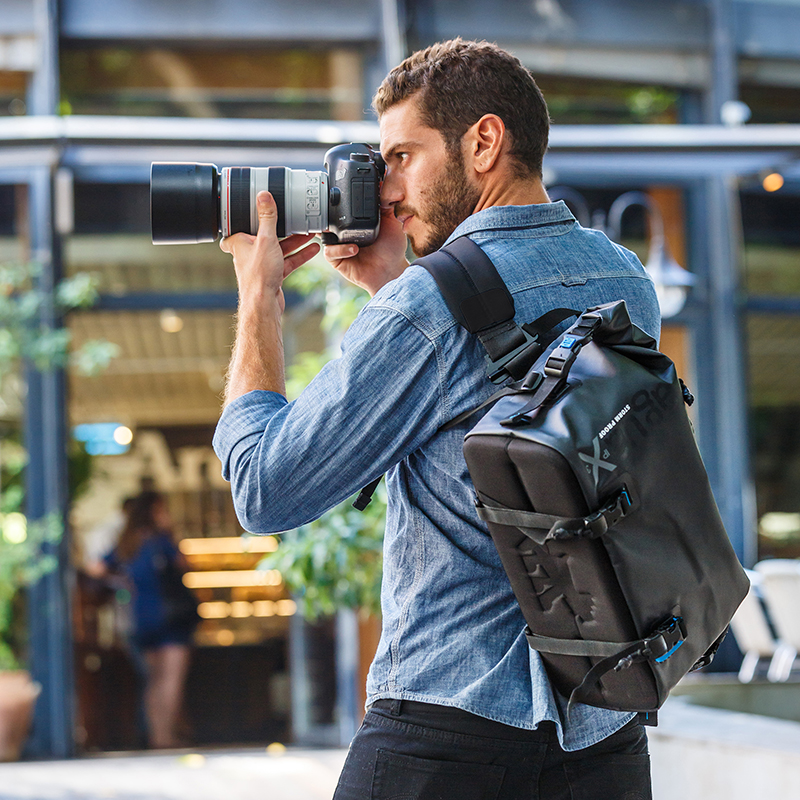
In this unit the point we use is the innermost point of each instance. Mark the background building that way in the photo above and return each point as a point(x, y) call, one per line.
point(692, 103)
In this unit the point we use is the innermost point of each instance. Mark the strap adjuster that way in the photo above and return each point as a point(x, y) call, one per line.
point(496, 370)
point(562, 357)
point(665, 640)
point(596, 525)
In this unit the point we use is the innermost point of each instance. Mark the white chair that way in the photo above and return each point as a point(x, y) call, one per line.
point(780, 583)
point(752, 631)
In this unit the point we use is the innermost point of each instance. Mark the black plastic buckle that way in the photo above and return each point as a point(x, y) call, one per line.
point(665, 640)
point(608, 516)
point(496, 370)
point(569, 347)
point(562, 357)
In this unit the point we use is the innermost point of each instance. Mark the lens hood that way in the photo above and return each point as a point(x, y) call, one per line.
point(184, 203)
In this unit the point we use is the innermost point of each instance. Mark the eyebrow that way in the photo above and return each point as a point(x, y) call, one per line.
point(395, 148)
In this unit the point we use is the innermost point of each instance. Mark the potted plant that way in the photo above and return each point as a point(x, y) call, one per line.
point(23, 561)
point(27, 547)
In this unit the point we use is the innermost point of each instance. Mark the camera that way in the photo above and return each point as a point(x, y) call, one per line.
point(191, 203)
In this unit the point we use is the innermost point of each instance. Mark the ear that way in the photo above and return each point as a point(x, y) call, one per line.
point(485, 142)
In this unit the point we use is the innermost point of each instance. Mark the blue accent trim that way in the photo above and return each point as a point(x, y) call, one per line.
point(670, 652)
point(567, 342)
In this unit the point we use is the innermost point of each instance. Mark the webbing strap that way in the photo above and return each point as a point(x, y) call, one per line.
point(365, 495)
point(480, 302)
point(577, 647)
point(547, 527)
point(657, 647)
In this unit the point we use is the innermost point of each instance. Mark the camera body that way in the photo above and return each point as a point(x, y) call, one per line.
point(192, 203)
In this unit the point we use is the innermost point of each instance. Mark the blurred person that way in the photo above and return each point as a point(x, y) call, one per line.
point(103, 537)
point(457, 701)
point(164, 612)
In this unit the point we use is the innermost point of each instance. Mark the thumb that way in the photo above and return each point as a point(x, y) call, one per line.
point(267, 215)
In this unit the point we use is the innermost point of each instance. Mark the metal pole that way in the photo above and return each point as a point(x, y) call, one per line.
point(347, 674)
point(719, 346)
point(46, 478)
point(46, 481)
point(724, 73)
point(394, 45)
point(43, 92)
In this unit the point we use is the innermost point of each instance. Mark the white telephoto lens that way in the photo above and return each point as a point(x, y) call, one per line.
point(300, 195)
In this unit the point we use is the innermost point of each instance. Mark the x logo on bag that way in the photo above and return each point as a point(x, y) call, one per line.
point(596, 462)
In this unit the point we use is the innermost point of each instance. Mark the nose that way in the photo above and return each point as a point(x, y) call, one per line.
point(391, 189)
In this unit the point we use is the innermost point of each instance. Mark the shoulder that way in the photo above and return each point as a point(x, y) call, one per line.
point(413, 299)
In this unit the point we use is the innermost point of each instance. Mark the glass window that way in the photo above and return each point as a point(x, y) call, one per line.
point(112, 240)
point(771, 104)
point(12, 93)
point(774, 365)
point(8, 220)
point(772, 242)
point(12, 250)
point(206, 82)
point(574, 101)
point(772, 256)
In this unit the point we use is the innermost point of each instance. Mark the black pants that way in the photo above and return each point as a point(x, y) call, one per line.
point(416, 751)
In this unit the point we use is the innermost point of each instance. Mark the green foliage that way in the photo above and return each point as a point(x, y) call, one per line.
point(24, 335)
point(26, 554)
point(336, 561)
point(28, 548)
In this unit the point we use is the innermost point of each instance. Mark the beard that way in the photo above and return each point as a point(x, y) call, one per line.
point(451, 199)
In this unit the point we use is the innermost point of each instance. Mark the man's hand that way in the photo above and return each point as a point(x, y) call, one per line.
point(262, 262)
point(374, 266)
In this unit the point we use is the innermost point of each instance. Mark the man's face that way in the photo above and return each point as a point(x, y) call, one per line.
point(427, 187)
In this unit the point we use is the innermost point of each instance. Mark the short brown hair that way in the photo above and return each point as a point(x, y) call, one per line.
point(458, 82)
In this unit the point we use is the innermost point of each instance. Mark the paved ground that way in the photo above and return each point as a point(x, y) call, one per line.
point(293, 774)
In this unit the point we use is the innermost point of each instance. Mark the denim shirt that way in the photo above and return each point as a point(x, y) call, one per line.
point(452, 630)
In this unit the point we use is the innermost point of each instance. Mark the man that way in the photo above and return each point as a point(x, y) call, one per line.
point(459, 705)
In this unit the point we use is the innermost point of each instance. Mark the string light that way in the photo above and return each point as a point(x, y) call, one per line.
point(229, 578)
point(225, 545)
point(242, 609)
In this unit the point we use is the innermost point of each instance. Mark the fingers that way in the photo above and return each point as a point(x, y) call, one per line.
point(228, 244)
point(295, 260)
point(267, 215)
point(338, 252)
point(295, 240)
point(240, 244)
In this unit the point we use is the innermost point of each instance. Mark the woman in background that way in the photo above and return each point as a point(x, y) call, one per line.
point(164, 611)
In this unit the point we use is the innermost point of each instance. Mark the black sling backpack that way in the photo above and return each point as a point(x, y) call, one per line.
point(587, 473)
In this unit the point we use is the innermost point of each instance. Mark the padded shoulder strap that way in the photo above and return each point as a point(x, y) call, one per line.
point(470, 285)
point(479, 300)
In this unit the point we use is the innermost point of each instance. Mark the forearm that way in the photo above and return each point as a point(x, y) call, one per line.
point(290, 462)
point(262, 262)
point(257, 361)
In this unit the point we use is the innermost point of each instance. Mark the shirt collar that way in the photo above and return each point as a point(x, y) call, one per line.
point(513, 217)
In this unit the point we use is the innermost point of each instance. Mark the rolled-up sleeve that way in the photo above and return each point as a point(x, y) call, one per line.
point(288, 463)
